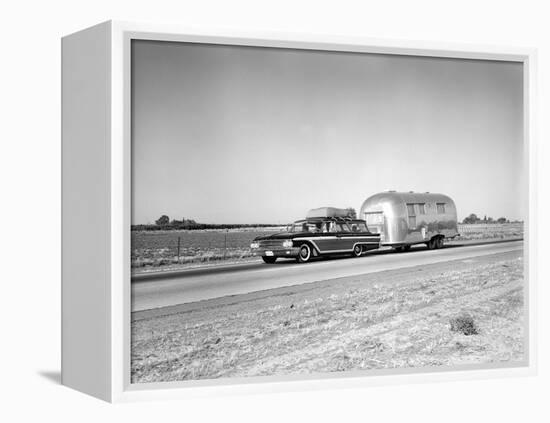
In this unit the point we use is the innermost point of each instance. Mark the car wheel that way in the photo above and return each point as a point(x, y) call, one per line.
point(304, 253)
point(357, 251)
point(269, 260)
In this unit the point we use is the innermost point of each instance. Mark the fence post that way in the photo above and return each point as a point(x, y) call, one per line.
point(225, 245)
point(179, 239)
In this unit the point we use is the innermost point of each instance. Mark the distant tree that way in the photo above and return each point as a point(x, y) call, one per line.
point(162, 221)
point(351, 212)
point(471, 219)
point(176, 222)
point(502, 220)
point(190, 224)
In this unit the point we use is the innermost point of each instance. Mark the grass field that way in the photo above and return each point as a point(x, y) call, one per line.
point(440, 315)
point(482, 231)
point(156, 249)
point(160, 248)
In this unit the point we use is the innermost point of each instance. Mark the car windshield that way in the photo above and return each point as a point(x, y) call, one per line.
point(313, 227)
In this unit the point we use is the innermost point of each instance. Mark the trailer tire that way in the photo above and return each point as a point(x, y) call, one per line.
point(439, 242)
point(431, 244)
point(407, 248)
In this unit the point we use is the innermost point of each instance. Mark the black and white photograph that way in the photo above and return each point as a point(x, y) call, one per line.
point(304, 213)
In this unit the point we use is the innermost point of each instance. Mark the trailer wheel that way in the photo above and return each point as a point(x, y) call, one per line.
point(407, 248)
point(357, 251)
point(304, 253)
point(431, 244)
point(269, 260)
point(439, 242)
point(398, 249)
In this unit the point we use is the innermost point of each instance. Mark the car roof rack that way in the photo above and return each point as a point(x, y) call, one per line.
point(325, 219)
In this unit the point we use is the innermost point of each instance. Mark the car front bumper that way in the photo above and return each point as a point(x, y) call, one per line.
point(278, 252)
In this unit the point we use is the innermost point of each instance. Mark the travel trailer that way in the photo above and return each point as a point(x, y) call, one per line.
point(407, 218)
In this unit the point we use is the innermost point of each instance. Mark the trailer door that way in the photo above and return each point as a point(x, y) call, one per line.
point(375, 223)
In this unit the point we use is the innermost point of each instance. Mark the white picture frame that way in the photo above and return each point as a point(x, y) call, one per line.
point(96, 189)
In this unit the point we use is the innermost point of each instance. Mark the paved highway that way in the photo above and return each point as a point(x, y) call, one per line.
point(202, 284)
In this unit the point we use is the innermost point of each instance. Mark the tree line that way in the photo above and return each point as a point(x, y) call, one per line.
point(164, 223)
point(473, 218)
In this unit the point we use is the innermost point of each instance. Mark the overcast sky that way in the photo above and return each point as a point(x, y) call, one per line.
point(227, 134)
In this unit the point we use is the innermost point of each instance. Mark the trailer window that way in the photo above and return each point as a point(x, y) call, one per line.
point(412, 216)
point(375, 218)
point(421, 208)
point(440, 208)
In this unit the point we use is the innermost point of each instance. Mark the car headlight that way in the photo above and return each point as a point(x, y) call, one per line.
point(255, 245)
point(287, 243)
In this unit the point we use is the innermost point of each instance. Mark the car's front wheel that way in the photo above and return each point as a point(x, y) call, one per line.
point(269, 260)
point(304, 254)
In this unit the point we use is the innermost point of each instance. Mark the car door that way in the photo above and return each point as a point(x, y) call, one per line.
point(345, 237)
point(328, 240)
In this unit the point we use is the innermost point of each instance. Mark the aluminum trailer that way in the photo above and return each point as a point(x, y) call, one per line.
point(407, 218)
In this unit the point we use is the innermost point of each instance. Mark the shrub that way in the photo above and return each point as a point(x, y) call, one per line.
point(464, 324)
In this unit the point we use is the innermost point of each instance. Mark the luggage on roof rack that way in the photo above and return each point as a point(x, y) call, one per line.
point(327, 212)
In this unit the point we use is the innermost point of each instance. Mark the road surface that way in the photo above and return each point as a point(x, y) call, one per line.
point(202, 284)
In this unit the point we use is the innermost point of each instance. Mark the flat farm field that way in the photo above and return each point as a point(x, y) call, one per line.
point(435, 316)
point(490, 231)
point(160, 248)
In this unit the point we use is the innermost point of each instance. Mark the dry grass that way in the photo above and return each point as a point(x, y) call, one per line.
point(393, 319)
point(490, 231)
point(154, 249)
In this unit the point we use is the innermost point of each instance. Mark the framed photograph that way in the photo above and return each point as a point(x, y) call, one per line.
point(254, 212)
